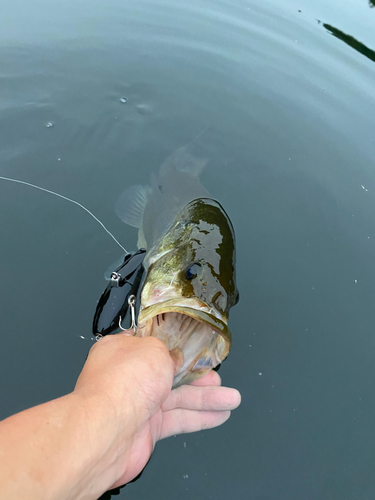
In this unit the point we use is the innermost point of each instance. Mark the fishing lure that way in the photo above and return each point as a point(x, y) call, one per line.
point(114, 302)
point(124, 283)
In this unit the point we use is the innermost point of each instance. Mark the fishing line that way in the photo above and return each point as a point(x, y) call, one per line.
point(67, 199)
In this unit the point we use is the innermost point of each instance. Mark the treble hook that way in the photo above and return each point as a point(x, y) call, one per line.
point(131, 303)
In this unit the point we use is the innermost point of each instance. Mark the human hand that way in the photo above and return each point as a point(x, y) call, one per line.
point(132, 377)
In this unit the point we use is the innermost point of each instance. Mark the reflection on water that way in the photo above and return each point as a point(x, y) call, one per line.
point(351, 41)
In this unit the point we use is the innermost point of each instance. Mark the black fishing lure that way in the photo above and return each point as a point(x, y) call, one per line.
point(113, 304)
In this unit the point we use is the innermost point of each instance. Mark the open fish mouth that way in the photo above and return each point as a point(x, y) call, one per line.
point(204, 339)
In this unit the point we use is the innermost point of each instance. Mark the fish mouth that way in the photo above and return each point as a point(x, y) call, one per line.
point(203, 339)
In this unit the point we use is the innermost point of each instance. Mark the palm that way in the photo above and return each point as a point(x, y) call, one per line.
point(201, 405)
point(142, 448)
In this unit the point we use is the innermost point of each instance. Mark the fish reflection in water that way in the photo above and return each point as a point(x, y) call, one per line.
point(189, 284)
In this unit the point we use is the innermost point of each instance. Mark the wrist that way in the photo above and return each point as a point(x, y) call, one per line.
point(105, 439)
point(66, 449)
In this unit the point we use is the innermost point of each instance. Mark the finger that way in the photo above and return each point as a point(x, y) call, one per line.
point(181, 421)
point(128, 333)
point(211, 378)
point(202, 398)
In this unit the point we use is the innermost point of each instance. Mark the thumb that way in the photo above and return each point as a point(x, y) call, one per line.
point(178, 359)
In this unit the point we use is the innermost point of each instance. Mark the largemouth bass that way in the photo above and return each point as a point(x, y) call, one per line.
point(189, 284)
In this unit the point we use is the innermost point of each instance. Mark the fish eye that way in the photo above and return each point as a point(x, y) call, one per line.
point(193, 270)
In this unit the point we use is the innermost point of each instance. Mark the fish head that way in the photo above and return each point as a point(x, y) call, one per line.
point(190, 287)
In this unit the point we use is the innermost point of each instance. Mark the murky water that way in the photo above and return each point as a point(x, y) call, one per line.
point(93, 97)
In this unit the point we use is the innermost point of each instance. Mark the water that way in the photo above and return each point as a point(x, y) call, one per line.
point(93, 97)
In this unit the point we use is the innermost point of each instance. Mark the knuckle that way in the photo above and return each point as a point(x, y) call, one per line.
point(158, 346)
point(158, 357)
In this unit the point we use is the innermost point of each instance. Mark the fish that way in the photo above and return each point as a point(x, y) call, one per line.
point(189, 284)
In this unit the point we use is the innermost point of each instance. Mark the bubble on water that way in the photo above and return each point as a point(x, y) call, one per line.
point(260, 373)
point(186, 476)
point(123, 100)
point(49, 124)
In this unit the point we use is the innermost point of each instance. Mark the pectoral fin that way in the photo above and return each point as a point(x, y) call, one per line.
point(131, 205)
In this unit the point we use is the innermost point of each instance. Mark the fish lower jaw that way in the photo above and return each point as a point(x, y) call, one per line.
point(197, 335)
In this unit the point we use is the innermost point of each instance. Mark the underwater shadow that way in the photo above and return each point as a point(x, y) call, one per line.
point(108, 494)
point(116, 491)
